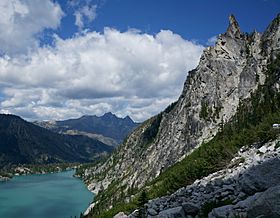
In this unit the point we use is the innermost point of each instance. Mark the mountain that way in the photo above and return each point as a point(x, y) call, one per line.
point(108, 128)
point(230, 100)
point(22, 142)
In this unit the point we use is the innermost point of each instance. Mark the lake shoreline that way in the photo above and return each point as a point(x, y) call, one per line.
point(21, 170)
point(4, 179)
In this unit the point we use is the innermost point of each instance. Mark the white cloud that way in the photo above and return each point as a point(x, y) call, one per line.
point(89, 12)
point(85, 14)
point(22, 20)
point(79, 19)
point(124, 72)
point(211, 41)
point(73, 3)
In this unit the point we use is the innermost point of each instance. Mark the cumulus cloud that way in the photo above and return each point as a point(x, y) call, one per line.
point(22, 20)
point(86, 13)
point(124, 72)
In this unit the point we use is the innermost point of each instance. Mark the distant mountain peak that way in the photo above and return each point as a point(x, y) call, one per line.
point(128, 118)
point(109, 114)
point(108, 125)
point(86, 116)
point(233, 29)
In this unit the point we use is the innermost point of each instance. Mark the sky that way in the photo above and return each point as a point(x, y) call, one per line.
point(62, 59)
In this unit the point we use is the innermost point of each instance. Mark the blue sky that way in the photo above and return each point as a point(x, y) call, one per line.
point(62, 59)
point(192, 19)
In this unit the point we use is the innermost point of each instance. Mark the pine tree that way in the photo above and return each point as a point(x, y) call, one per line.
point(142, 200)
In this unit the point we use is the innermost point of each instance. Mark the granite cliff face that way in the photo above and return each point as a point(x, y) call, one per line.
point(228, 73)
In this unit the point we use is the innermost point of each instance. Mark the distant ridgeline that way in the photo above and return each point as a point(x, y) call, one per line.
point(230, 100)
point(109, 128)
point(22, 142)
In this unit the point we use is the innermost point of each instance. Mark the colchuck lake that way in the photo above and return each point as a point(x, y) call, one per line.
point(56, 195)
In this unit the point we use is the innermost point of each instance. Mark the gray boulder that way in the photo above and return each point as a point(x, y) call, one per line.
point(266, 205)
point(222, 212)
point(152, 212)
point(175, 212)
point(190, 208)
point(134, 214)
point(261, 177)
point(260, 205)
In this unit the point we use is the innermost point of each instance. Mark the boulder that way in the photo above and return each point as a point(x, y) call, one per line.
point(262, 205)
point(263, 149)
point(222, 212)
point(152, 212)
point(261, 177)
point(134, 214)
point(266, 205)
point(190, 208)
point(244, 204)
point(176, 212)
point(120, 215)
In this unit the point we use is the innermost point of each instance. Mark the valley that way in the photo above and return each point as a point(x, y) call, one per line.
point(139, 109)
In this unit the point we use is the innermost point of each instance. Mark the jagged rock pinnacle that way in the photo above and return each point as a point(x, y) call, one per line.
point(233, 28)
point(274, 26)
point(271, 37)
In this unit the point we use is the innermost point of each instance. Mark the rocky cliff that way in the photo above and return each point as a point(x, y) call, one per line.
point(227, 74)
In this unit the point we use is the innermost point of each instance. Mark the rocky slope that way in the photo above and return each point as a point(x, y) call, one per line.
point(228, 73)
point(22, 142)
point(108, 129)
point(247, 187)
point(251, 174)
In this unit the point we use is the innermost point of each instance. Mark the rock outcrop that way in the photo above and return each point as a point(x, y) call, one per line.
point(227, 74)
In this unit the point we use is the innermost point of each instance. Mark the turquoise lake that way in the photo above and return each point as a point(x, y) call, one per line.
point(55, 195)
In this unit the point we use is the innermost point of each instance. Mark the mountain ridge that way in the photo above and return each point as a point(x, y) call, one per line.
point(228, 73)
point(108, 128)
point(22, 142)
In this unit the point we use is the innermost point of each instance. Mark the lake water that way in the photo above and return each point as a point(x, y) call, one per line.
point(57, 195)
